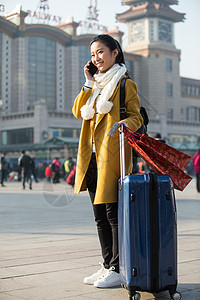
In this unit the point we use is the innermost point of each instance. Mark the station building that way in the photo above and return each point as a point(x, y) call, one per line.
point(41, 72)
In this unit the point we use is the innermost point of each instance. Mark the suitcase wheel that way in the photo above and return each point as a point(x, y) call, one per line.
point(176, 296)
point(136, 296)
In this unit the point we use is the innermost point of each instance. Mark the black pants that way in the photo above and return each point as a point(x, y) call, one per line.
point(26, 177)
point(198, 182)
point(106, 217)
point(34, 175)
point(56, 177)
point(3, 176)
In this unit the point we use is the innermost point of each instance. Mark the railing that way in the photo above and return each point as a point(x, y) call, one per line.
point(60, 114)
point(15, 116)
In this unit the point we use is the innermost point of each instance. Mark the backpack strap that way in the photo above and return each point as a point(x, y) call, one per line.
point(123, 114)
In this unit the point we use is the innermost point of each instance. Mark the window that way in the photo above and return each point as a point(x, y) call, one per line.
point(0, 65)
point(197, 91)
point(130, 67)
point(18, 136)
point(41, 71)
point(175, 139)
point(170, 114)
point(151, 31)
point(84, 56)
point(65, 132)
point(168, 65)
point(190, 90)
point(169, 90)
point(193, 114)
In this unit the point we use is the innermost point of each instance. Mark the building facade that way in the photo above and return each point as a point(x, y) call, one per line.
point(41, 72)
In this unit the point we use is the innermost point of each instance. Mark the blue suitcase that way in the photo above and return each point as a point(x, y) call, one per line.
point(147, 233)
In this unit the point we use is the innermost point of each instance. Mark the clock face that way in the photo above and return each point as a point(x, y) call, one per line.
point(165, 31)
point(137, 31)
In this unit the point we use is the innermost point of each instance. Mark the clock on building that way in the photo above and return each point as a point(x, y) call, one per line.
point(165, 31)
point(137, 31)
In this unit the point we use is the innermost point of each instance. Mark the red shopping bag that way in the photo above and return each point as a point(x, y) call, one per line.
point(162, 158)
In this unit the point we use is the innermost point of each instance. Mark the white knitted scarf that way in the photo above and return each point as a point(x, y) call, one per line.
point(105, 84)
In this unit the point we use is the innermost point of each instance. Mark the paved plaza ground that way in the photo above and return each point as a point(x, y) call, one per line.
point(48, 243)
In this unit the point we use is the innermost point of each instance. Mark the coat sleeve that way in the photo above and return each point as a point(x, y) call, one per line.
point(132, 102)
point(80, 100)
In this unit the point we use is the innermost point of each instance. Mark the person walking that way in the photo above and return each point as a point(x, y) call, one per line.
point(48, 173)
point(71, 177)
point(25, 168)
point(98, 165)
point(3, 168)
point(68, 167)
point(33, 170)
point(196, 164)
point(56, 164)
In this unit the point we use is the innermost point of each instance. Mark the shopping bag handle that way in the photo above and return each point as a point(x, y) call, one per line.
point(129, 133)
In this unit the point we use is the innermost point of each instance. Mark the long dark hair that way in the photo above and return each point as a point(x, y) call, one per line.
point(112, 44)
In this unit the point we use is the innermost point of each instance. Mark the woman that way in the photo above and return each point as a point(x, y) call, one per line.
point(98, 166)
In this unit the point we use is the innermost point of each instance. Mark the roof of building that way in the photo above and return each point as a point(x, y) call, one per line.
point(20, 147)
point(137, 2)
point(62, 141)
point(152, 10)
point(53, 143)
point(190, 81)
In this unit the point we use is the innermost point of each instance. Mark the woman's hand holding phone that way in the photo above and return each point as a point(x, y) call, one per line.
point(89, 70)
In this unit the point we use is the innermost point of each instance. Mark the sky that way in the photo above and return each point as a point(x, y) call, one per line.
point(187, 36)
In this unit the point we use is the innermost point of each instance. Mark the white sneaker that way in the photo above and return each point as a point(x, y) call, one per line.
point(91, 279)
point(110, 279)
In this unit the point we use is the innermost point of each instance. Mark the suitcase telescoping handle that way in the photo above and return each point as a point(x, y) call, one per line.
point(122, 152)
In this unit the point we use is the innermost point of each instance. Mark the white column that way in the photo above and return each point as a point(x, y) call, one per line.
point(40, 122)
point(163, 126)
point(60, 78)
point(6, 73)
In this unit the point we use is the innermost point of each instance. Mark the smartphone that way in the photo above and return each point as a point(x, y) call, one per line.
point(92, 69)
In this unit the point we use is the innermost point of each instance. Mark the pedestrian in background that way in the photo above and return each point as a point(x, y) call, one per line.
point(25, 168)
point(56, 164)
point(33, 169)
point(3, 168)
point(98, 166)
point(68, 167)
point(48, 173)
point(196, 164)
point(71, 177)
point(159, 138)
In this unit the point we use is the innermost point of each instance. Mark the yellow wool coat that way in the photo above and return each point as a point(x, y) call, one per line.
point(106, 146)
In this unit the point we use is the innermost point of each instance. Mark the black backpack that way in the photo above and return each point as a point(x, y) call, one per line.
point(123, 115)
